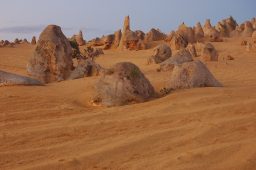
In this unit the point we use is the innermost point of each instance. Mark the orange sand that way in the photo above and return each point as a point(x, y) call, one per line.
point(54, 127)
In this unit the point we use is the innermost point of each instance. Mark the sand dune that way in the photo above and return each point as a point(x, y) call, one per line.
point(54, 127)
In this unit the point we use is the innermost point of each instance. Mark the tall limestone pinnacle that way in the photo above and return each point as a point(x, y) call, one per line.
point(126, 26)
point(126, 29)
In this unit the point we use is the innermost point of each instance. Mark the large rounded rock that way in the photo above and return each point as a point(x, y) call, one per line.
point(10, 79)
point(161, 53)
point(190, 75)
point(52, 59)
point(209, 53)
point(123, 84)
point(181, 57)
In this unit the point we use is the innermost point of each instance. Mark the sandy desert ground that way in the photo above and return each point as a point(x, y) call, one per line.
point(54, 127)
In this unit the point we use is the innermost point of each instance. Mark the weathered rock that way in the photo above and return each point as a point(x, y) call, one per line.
point(17, 41)
point(123, 84)
point(248, 29)
point(199, 33)
point(222, 29)
point(10, 79)
point(141, 45)
point(231, 24)
point(161, 53)
point(190, 75)
point(117, 39)
point(191, 48)
point(253, 21)
point(108, 41)
point(25, 41)
point(130, 40)
point(80, 39)
point(181, 57)
point(187, 33)
point(155, 35)
point(226, 26)
point(210, 33)
point(178, 42)
point(126, 29)
point(52, 59)
point(33, 41)
point(254, 37)
point(170, 36)
point(85, 68)
point(209, 53)
point(140, 34)
point(236, 33)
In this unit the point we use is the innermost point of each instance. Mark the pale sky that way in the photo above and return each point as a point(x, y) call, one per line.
point(25, 18)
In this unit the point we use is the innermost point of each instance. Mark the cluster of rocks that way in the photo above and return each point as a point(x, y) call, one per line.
point(185, 71)
point(53, 58)
point(126, 39)
point(228, 27)
point(6, 43)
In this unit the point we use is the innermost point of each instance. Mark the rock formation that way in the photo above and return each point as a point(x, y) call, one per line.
point(10, 79)
point(117, 39)
point(52, 59)
point(85, 68)
point(161, 53)
point(187, 33)
point(209, 53)
point(79, 38)
point(199, 33)
point(178, 42)
point(123, 84)
point(210, 33)
point(155, 35)
point(33, 41)
point(108, 41)
point(191, 48)
point(131, 40)
point(254, 37)
point(126, 29)
point(248, 29)
point(190, 75)
point(181, 57)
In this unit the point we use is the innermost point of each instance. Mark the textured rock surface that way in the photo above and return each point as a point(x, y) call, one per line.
point(10, 79)
point(161, 53)
point(190, 75)
point(52, 59)
point(123, 84)
point(181, 57)
point(209, 53)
